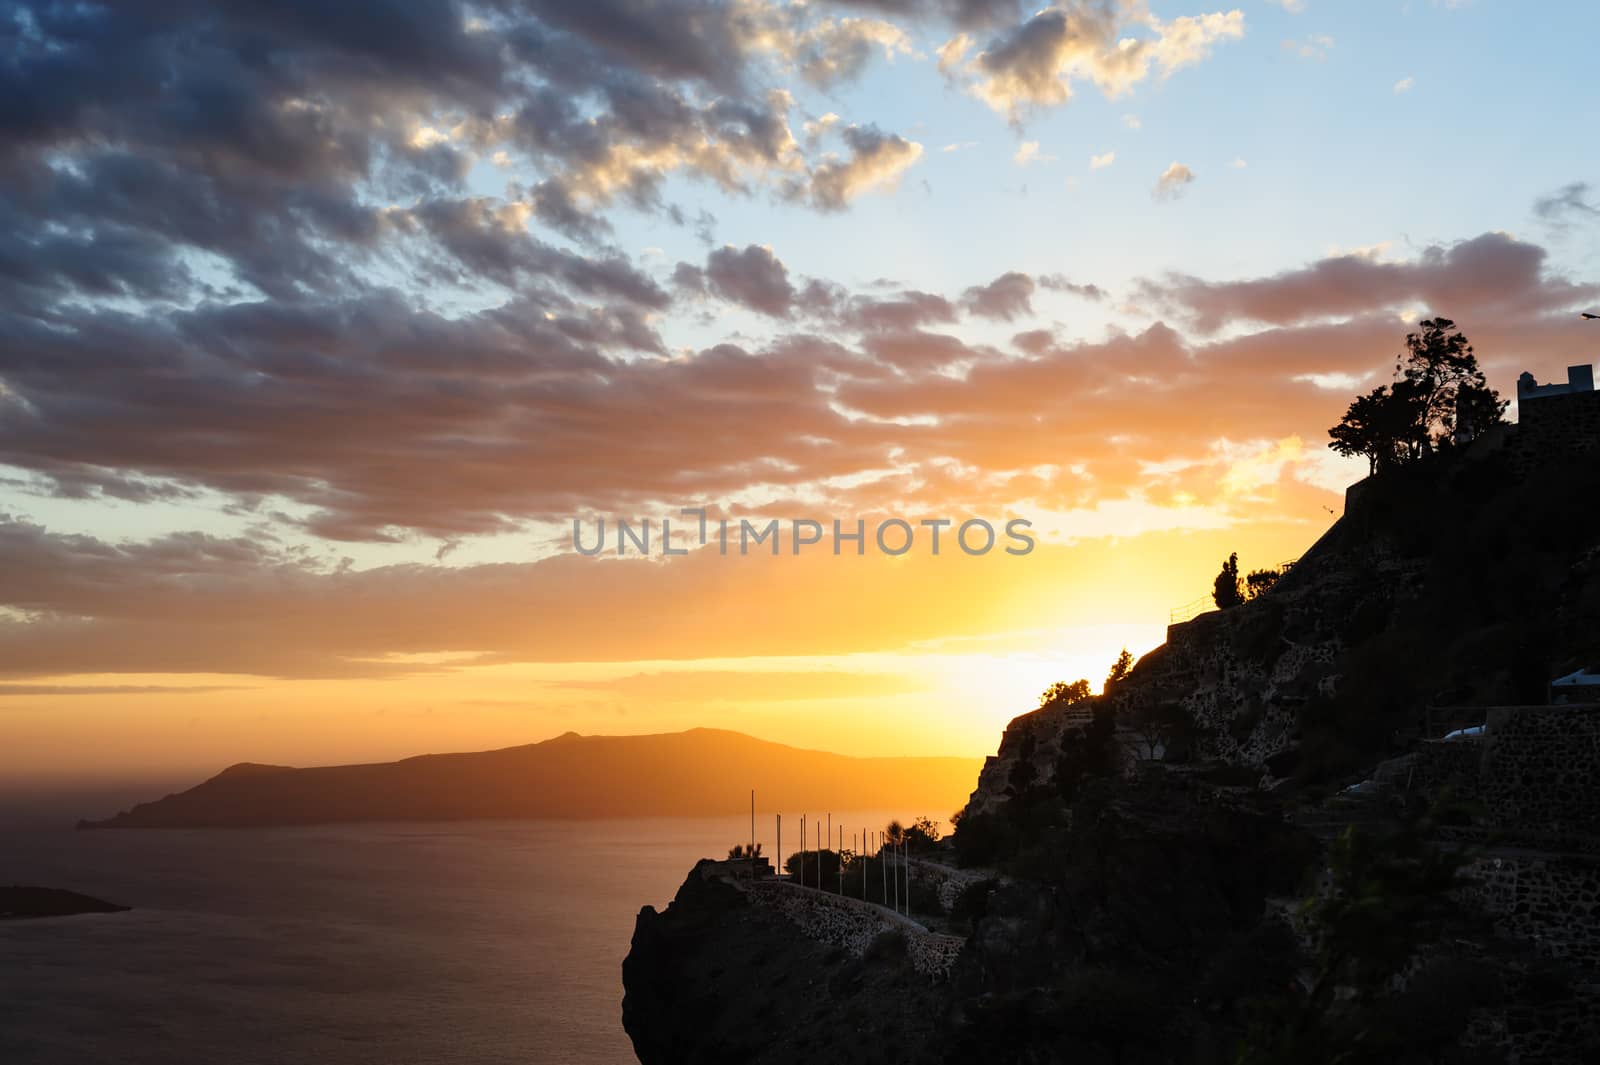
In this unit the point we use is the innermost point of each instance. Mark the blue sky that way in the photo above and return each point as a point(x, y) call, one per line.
point(1335, 157)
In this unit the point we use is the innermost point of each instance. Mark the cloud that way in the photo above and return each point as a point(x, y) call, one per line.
point(752, 277)
point(904, 313)
point(283, 178)
point(1238, 164)
point(1405, 84)
point(875, 160)
point(1493, 272)
point(53, 690)
point(1294, 7)
point(835, 51)
point(1006, 297)
point(1317, 46)
point(1100, 162)
point(371, 418)
point(272, 279)
point(1035, 64)
point(1058, 283)
point(1027, 152)
point(1174, 181)
point(1567, 206)
point(1132, 122)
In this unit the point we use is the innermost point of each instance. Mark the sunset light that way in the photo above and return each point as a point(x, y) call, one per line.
point(799, 531)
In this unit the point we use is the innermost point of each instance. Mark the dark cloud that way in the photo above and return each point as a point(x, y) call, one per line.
point(966, 13)
point(751, 276)
point(1004, 298)
point(1058, 283)
point(1492, 271)
point(907, 311)
point(271, 137)
point(1568, 205)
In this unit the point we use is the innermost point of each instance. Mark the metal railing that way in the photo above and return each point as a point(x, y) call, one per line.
point(1191, 610)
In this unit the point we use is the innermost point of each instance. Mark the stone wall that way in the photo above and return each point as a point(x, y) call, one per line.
point(1534, 775)
point(1541, 767)
point(852, 924)
point(1551, 901)
point(947, 881)
point(1564, 424)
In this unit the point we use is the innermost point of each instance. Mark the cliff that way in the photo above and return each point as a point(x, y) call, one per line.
point(1255, 848)
point(695, 773)
point(719, 978)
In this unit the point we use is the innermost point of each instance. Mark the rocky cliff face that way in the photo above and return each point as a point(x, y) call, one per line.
point(1225, 900)
point(716, 979)
point(1471, 585)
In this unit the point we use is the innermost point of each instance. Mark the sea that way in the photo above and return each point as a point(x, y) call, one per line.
point(458, 943)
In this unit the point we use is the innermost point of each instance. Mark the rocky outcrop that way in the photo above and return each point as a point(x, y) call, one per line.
point(718, 977)
point(18, 902)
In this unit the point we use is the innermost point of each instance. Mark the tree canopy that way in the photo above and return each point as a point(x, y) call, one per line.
point(1225, 590)
point(1439, 399)
point(1064, 694)
point(1120, 669)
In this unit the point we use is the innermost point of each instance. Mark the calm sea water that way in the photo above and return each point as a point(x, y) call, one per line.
point(459, 943)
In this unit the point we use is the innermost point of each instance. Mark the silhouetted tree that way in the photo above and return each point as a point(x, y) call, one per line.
point(1259, 582)
point(1376, 425)
point(1225, 590)
point(1063, 694)
point(743, 850)
point(1119, 669)
point(1443, 373)
point(919, 835)
point(1439, 398)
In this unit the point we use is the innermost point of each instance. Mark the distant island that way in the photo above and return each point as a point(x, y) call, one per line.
point(19, 901)
point(701, 772)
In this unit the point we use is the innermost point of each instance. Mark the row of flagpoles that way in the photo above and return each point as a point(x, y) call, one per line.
point(892, 856)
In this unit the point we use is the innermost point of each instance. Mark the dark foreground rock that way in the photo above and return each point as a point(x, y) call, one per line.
point(715, 979)
point(18, 901)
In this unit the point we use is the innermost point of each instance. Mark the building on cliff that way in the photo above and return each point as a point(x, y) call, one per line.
point(1579, 379)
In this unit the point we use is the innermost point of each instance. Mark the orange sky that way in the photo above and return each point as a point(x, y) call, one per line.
point(917, 655)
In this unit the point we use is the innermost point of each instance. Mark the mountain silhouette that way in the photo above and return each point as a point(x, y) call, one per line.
point(695, 773)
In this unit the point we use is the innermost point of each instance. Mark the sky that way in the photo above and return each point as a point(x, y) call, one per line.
point(323, 329)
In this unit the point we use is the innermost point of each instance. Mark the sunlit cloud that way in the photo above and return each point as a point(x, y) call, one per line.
point(1174, 180)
